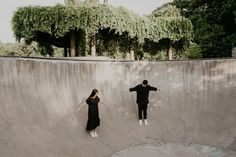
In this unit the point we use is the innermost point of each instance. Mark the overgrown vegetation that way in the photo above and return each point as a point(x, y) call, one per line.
point(24, 50)
point(117, 30)
point(57, 21)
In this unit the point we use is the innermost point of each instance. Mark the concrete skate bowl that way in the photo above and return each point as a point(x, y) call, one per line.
point(43, 111)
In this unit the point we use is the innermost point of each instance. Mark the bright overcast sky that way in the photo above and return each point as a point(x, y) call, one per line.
point(140, 7)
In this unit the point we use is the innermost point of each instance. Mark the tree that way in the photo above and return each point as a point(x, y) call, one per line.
point(73, 26)
point(168, 12)
point(214, 24)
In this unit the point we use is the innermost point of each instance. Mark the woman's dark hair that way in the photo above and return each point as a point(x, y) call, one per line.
point(145, 82)
point(93, 92)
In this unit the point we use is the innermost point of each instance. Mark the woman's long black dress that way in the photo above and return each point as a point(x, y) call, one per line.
point(93, 113)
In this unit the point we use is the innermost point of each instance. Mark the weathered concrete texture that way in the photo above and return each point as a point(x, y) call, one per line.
point(196, 105)
point(173, 150)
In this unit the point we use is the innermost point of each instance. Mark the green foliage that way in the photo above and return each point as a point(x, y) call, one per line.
point(168, 18)
point(59, 20)
point(171, 13)
point(162, 55)
point(45, 49)
point(91, 1)
point(18, 49)
point(73, 2)
point(193, 52)
point(22, 49)
point(166, 11)
point(70, 2)
point(214, 24)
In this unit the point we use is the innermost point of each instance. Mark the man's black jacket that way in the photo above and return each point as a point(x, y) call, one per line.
point(142, 93)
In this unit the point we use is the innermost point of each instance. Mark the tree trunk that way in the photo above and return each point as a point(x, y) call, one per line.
point(170, 52)
point(93, 46)
point(132, 55)
point(73, 44)
point(65, 51)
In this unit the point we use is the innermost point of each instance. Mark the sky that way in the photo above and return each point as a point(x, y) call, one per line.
point(141, 7)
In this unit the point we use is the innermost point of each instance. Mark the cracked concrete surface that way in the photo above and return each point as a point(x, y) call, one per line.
point(40, 98)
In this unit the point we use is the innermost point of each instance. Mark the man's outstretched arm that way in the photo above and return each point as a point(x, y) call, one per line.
point(133, 89)
point(153, 88)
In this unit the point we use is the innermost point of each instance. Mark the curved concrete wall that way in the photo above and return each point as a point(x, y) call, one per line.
point(196, 105)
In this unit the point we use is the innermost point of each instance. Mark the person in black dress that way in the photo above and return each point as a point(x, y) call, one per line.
point(142, 99)
point(93, 113)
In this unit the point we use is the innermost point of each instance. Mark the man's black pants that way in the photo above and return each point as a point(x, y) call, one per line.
point(142, 108)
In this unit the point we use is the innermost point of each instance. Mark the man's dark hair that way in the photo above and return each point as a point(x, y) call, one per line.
point(145, 82)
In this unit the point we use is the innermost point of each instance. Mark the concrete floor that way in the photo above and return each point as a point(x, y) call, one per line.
point(174, 150)
point(43, 111)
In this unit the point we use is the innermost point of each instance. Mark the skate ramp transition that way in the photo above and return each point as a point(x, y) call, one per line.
point(43, 111)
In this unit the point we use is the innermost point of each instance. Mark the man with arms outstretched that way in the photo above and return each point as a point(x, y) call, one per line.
point(142, 99)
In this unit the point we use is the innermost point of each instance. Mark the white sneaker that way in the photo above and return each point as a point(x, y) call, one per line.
point(140, 122)
point(92, 133)
point(95, 134)
point(145, 122)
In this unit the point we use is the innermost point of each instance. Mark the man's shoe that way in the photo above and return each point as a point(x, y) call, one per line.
point(140, 122)
point(145, 122)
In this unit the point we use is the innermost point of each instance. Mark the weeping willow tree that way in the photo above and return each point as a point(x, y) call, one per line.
point(172, 14)
point(72, 26)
